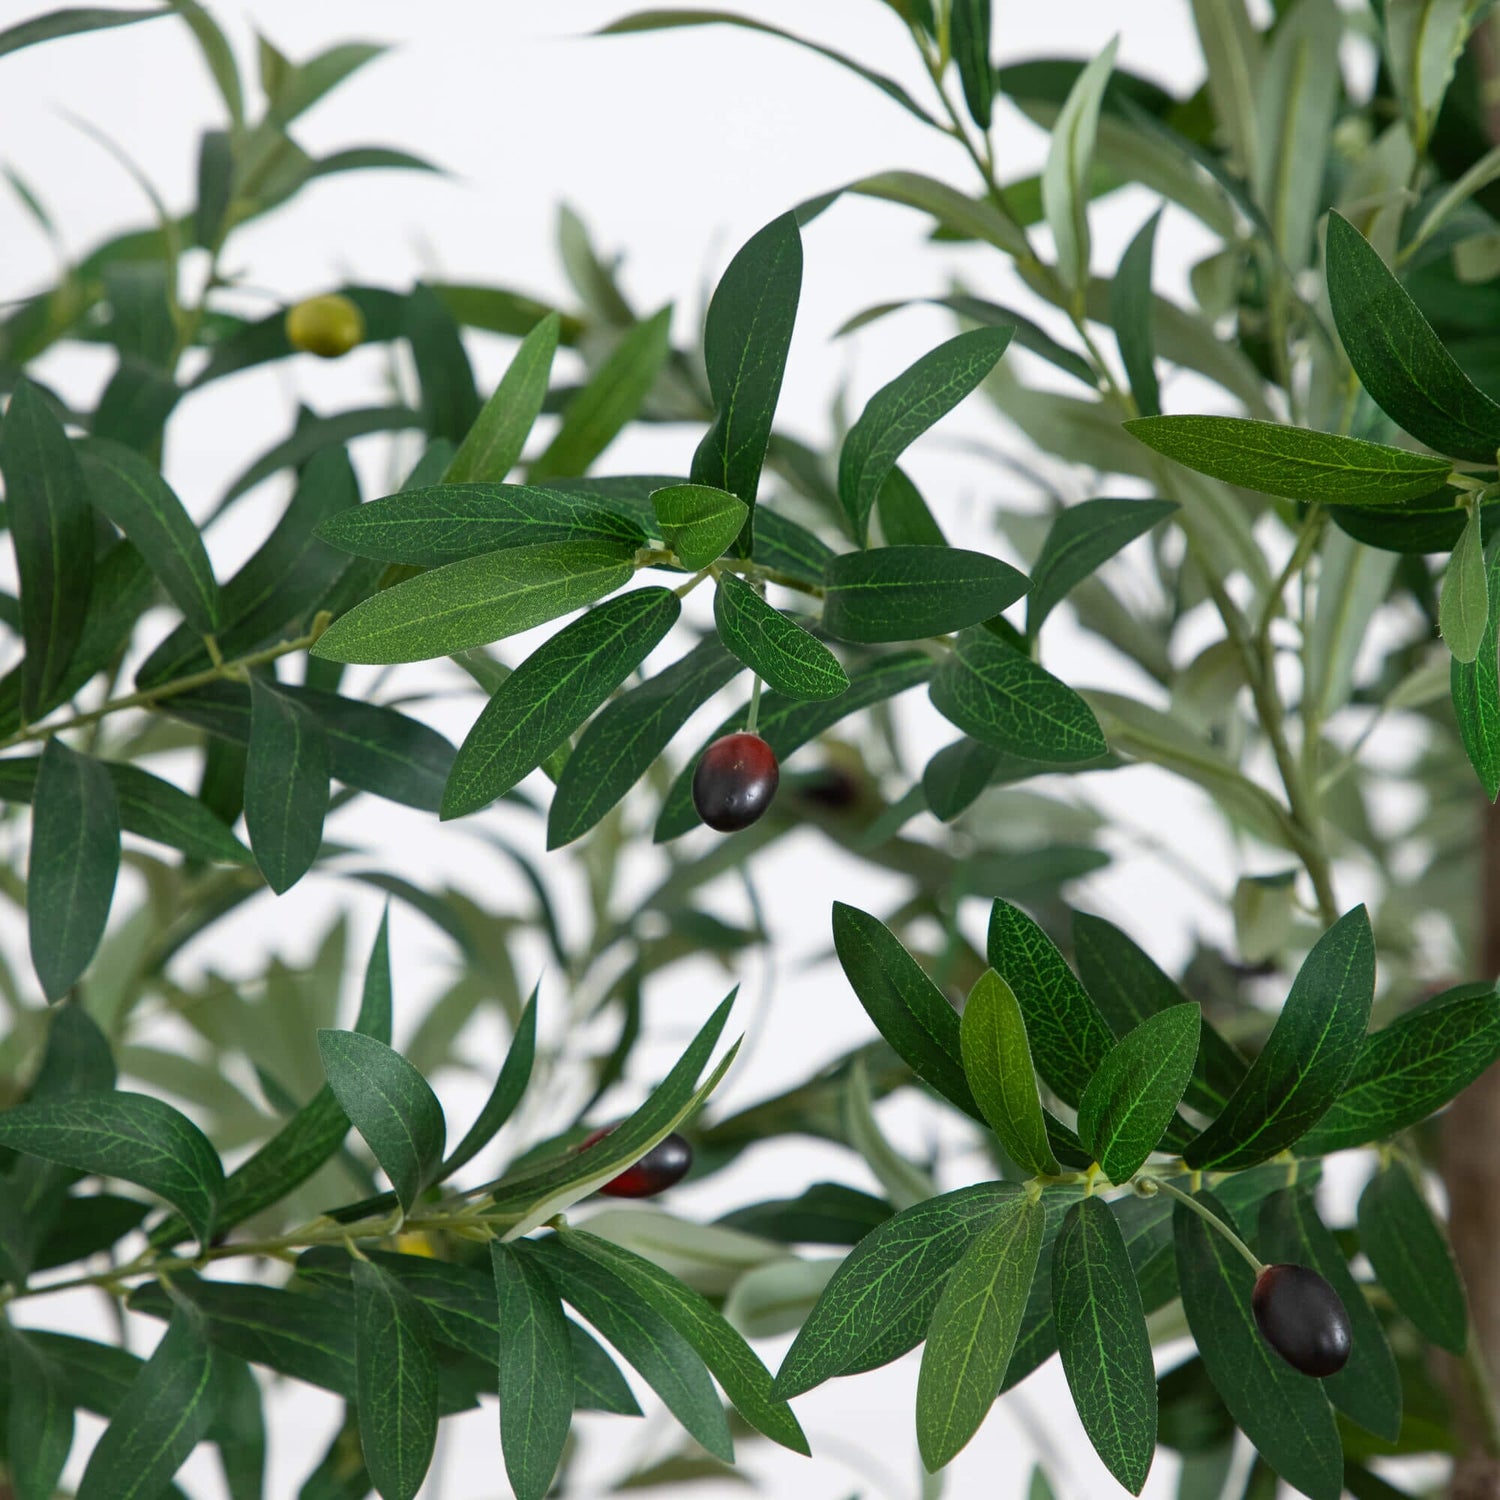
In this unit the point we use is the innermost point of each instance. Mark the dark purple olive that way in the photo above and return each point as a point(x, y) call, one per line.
point(1302, 1319)
point(663, 1166)
point(735, 782)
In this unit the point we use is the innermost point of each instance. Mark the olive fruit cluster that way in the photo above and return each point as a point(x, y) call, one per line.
point(1302, 1319)
point(663, 1166)
point(735, 782)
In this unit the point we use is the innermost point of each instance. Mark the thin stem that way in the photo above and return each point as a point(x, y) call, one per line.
point(753, 717)
point(150, 697)
point(1149, 1185)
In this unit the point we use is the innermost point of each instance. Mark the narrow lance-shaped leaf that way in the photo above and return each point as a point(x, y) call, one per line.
point(131, 1136)
point(1101, 1335)
point(431, 525)
point(1411, 1069)
point(450, 403)
point(52, 527)
point(667, 1362)
point(40, 1425)
point(721, 1347)
point(903, 593)
point(1410, 1254)
point(1475, 689)
point(552, 692)
point(167, 1411)
point(535, 1371)
point(1070, 159)
point(612, 397)
point(396, 1382)
point(746, 337)
point(1398, 357)
point(790, 659)
point(75, 857)
point(1291, 461)
point(890, 1282)
point(476, 601)
point(1000, 696)
point(1307, 1058)
point(70, 21)
point(1130, 310)
point(900, 412)
point(128, 491)
point(509, 1087)
point(698, 522)
point(1285, 1414)
point(974, 1329)
point(1078, 541)
point(492, 447)
point(970, 30)
point(997, 1063)
point(286, 786)
point(622, 741)
point(1464, 607)
point(1069, 1038)
point(1130, 1101)
point(1368, 1388)
point(390, 1104)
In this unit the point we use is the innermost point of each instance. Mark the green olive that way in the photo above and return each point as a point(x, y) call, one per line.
point(327, 326)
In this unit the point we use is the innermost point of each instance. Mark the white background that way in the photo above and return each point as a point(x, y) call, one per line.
point(674, 147)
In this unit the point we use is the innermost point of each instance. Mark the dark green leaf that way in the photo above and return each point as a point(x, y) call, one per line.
point(40, 1424)
point(997, 1063)
point(613, 396)
point(623, 741)
point(899, 413)
point(510, 1085)
point(1101, 1335)
point(1069, 1038)
point(1464, 606)
point(536, 1372)
point(130, 1136)
point(954, 778)
point(1130, 309)
point(970, 42)
point(827, 1213)
point(52, 526)
point(667, 1362)
point(493, 445)
point(1307, 1058)
point(289, 576)
point(745, 340)
point(75, 857)
point(476, 601)
point(885, 1291)
point(69, 21)
point(1130, 1101)
point(239, 1429)
point(1368, 1388)
point(974, 1329)
point(448, 522)
point(552, 692)
point(217, 53)
point(286, 786)
point(905, 593)
point(1411, 1069)
point(698, 522)
point(908, 1009)
point(85, 1224)
point(786, 724)
point(785, 547)
point(130, 493)
point(598, 1384)
point(1410, 1254)
point(390, 1104)
point(1400, 361)
point(1128, 988)
point(790, 659)
point(1080, 539)
point(167, 1411)
point(905, 520)
point(215, 187)
point(396, 1382)
point(1286, 1415)
point(1291, 461)
point(1000, 696)
point(1475, 689)
point(449, 401)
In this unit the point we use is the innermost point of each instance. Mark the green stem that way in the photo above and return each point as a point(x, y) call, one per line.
point(753, 717)
point(1149, 1185)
